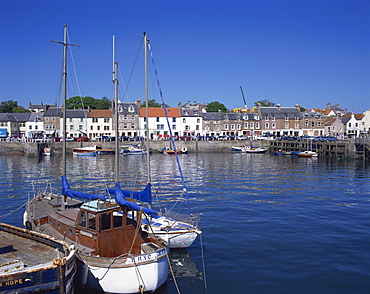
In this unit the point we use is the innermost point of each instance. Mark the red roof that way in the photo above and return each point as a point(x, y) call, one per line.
point(159, 112)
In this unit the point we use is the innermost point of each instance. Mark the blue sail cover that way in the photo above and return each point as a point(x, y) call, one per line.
point(143, 196)
point(66, 190)
point(120, 198)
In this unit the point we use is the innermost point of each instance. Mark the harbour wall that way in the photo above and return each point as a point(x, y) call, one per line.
point(349, 149)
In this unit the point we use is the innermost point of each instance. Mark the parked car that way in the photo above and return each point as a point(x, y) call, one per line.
point(84, 138)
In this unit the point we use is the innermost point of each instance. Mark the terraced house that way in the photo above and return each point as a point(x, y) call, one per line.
point(279, 121)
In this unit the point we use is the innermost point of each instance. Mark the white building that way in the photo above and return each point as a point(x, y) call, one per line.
point(35, 125)
point(157, 122)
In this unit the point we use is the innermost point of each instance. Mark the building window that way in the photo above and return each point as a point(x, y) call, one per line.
point(257, 125)
point(306, 124)
point(319, 124)
point(91, 128)
point(184, 120)
point(197, 127)
point(98, 128)
point(174, 127)
point(30, 127)
point(246, 125)
point(71, 127)
point(233, 127)
point(80, 127)
point(287, 125)
point(226, 127)
point(46, 119)
point(174, 119)
point(70, 120)
point(198, 120)
point(252, 125)
point(238, 127)
point(157, 119)
point(267, 125)
point(273, 125)
point(296, 125)
point(132, 126)
point(95, 120)
point(106, 128)
point(81, 119)
point(125, 126)
point(106, 120)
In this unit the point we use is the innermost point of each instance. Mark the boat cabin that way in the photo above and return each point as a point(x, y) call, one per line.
point(103, 228)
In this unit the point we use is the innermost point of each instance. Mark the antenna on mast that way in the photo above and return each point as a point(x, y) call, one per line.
point(245, 102)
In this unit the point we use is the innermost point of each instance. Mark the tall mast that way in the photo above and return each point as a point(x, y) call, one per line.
point(64, 108)
point(115, 123)
point(146, 106)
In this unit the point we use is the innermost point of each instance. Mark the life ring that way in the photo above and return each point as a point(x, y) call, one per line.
point(184, 150)
point(131, 148)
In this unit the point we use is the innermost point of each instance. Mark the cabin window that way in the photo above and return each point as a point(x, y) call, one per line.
point(70, 232)
point(83, 219)
point(117, 221)
point(105, 221)
point(59, 226)
point(50, 221)
point(91, 220)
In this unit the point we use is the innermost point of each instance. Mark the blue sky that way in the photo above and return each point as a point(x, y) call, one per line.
point(289, 52)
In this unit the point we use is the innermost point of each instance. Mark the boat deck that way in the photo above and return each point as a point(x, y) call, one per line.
point(31, 252)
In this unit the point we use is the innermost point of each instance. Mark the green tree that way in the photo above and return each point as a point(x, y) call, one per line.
point(265, 103)
point(152, 103)
point(103, 103)
point(19, 109)
point(78, 102)
point(8, 106)
point(216, 106)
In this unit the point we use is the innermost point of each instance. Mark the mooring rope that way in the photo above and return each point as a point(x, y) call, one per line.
point(13, 211)
point(204, 267)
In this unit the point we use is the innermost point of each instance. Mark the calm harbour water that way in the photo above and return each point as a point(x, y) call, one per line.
point(270, 224)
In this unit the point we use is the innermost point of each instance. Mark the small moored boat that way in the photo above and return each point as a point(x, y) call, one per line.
point(168, 150)
point(31, 262)
point(248, 149)
point(307, 153)
point(48, 151)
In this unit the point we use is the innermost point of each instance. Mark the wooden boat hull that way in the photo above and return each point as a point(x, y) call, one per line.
point(43, 271)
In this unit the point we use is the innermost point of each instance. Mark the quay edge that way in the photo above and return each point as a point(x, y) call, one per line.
point(356, 149)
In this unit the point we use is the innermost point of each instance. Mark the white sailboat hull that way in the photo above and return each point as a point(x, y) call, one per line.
point(178, 240)
point(176, 234)
point(147, 272)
